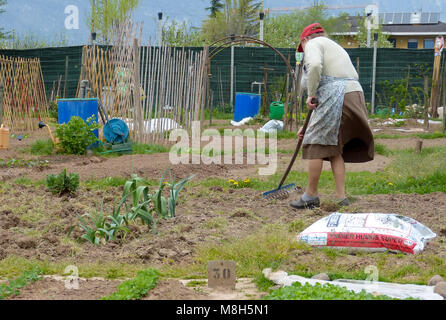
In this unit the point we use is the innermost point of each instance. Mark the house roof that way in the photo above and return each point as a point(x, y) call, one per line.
point(431, 29)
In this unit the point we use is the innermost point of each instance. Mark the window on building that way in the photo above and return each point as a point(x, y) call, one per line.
point(412, 44)
point(429, 43)
point(393, 42)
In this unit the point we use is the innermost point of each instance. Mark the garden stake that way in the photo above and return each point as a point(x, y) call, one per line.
point(284, 192)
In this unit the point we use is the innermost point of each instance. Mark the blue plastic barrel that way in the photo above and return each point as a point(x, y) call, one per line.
point(246, 105)
point(84, 108)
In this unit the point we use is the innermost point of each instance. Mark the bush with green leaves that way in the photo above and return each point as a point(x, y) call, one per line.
point(62, 183)
point(137, 287)
point(76, 135)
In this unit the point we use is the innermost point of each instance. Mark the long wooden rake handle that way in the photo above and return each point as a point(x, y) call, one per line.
point(299, 145)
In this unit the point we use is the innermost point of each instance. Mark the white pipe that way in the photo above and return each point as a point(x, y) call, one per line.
point(375, 52)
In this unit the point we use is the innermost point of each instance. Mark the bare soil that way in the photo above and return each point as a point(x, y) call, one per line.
point(34, 223)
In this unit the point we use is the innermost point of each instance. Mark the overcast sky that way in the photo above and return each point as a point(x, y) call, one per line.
point(46, 18)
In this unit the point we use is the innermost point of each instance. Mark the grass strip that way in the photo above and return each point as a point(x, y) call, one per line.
point(12, 288)
point(427, 136)
point(136, 288)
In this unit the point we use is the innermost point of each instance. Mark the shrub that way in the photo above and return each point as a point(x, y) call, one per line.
point(76, 135)
point(61, 183)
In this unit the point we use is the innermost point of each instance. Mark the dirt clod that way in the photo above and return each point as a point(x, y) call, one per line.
point(26, 243)
point(3, 254)
point(168, 253)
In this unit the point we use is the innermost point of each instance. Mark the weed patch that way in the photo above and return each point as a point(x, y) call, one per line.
point(12, 288)
point(42, 147)
point(136, 288)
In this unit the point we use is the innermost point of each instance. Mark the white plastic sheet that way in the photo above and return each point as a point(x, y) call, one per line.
point(155, 125)
point(272, 125)
point(394, 290)
point(241, 122)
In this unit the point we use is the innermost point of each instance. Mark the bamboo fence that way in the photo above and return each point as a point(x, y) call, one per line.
point(153, 89)
point(24, 97)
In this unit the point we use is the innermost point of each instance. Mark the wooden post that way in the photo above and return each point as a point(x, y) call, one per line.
point(285, 105)
point(66, 77)
point(1, 100)
point(418, 146)
point(357, 65)
point(138, 119)
point(435, 86)
point(265, 84)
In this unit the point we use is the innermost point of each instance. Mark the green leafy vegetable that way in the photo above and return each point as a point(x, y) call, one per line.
point(62, 183)
point(137, 287)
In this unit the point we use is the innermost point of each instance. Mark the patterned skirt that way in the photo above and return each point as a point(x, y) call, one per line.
point(355, 139)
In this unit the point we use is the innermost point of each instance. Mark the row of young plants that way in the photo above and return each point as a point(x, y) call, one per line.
point(21, 163)
point(328, 291)
point(136, 288)
point(138, 204)
point(13, 286)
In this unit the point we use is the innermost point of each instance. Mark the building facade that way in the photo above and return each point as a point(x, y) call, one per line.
point(405, 30)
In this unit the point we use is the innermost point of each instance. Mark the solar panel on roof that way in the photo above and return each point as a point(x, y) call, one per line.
point(389, 18)
point(406, 18)
point(409, 18)
point(434, 18)
point(425, 16)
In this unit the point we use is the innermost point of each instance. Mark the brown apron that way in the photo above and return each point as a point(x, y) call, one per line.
point(355, 138)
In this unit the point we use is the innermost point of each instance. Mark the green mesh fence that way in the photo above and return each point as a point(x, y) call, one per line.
point(249, 64)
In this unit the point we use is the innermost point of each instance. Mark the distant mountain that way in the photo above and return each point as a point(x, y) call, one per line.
point(45, 18)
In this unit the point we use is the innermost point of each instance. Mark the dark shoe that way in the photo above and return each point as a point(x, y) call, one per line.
point(344, 203)
point(300, 204)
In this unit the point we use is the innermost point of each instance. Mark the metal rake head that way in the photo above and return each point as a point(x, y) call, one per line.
point(281, 193)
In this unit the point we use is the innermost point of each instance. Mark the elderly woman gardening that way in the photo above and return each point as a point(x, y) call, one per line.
point(338, 130)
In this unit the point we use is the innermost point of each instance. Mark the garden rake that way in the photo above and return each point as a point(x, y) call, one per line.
point(283, 192)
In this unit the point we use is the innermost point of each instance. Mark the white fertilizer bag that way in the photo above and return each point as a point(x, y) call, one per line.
point(368, 231)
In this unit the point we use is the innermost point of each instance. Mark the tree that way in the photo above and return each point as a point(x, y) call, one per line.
point(215, 7)
point(284, 30)
point(106, 13)
point(3, 35)
point(33, 41)
point(177, 34)
point(361, 37)
point(238, 17)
